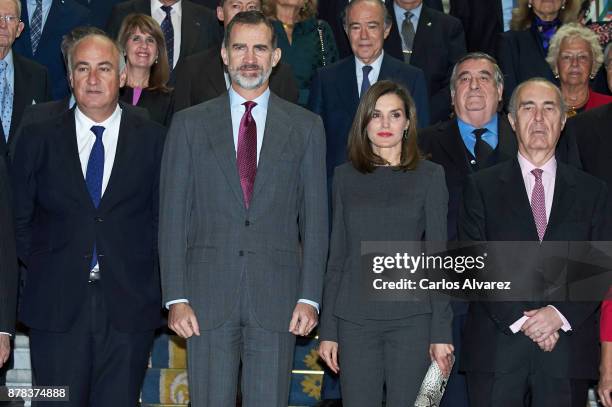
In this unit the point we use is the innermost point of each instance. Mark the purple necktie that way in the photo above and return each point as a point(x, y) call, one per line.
point(247, 152)
point(538, 204)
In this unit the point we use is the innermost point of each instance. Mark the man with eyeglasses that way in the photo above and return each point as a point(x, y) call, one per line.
point(22, 81)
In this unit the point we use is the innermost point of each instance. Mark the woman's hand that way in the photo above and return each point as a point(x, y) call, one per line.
point(328, 351)
point(442, 353)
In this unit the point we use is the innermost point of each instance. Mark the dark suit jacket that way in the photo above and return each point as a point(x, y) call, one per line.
point(199, 26)
point(100, 10)
point(332, 10)
point(521, 56)
point(334, 96)
point(159, 105)
point(64, 15)
point(201, 78)
point(444, 145)
point(438, 44)
point(482, 22)
point(590, 130)
point(8, 257)
point(496, 208)
point(31, 86)
point(57, 225)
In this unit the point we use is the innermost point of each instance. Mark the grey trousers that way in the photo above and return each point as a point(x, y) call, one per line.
point(214, 359)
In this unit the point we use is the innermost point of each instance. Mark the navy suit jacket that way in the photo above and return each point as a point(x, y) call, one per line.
point(63, 16)
point(57, 224)
point(100, 10)
point(438, 44)
point(334, 96)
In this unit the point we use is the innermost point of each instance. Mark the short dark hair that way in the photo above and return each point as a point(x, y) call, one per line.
point(498, 76)
point(250, 17)
point(360, 152)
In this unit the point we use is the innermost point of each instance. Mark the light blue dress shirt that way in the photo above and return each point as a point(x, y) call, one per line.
point(469, 139)
point(9, 76)
point(46, 6)
point(399, 17)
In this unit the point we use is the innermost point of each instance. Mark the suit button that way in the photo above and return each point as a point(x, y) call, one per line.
point(247, 223)
point(99, 220)
point(241, 253)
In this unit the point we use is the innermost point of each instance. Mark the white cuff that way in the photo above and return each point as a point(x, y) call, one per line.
point(518, 324)
point(314, 304)
point(169, 303)
point(566, 325)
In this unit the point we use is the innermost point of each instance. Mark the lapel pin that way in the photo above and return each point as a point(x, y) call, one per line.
point(429, 24)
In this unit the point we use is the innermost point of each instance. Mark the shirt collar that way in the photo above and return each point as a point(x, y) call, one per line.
point(176, 7)
point(399, 12)
point(85, 122)
point(550, 167)
point(45, 3)
point(9, 60)
point(467, 129)
point(236, 100)
point(376, 64)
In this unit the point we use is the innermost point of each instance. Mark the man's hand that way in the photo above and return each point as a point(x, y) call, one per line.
point(328, 350)
point(303, 320)
point(182, 320)
point(542, 323)
point(5, 348)
point(548, 344)
point(442, 353)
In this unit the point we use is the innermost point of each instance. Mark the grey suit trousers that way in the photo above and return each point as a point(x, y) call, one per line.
point(214, 359)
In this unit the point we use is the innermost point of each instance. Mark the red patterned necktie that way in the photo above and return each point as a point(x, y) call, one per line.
point(538, 204)
point(247, 152)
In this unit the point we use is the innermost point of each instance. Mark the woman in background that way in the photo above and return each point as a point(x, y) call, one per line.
point(521, 52)
point(306, 42)
point(575, 57)
point(386, 192)
point(147, 69)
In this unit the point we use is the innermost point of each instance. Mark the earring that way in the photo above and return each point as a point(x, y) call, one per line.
point(556, 76)
point(592, 76)
point(156, 59)
point(529, 5)
point(563, 6)
point(405, 135)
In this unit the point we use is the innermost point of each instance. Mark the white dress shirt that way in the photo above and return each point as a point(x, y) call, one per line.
point(259, 113)
point(373, 75)
point(175, 15)
point(549, 173)
point(86, 139)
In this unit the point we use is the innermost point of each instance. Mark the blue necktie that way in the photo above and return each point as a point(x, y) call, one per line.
point(168, 31)
point(365, 83)
point(36, 26)
point(6, 100)
point(93, 176)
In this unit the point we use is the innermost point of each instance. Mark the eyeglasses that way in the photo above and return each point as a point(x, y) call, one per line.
point(580, 58)
point(9, 19)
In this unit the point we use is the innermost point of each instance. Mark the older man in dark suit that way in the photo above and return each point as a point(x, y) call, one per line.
point(203, 76)
point(243, 227)
point(532, 353)
point(45, 22)
point(430, 40)
point(22, 81)
point(86, 206)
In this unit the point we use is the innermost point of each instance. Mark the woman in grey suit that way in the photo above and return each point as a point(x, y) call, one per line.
point(386, 192)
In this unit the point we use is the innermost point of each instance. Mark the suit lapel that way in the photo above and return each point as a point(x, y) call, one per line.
point(25, 38)
point(276, 134)
point(55, 14)
point(189, 30)
point(67, 145)
point(216, 76)
point(222, 142)
point(515, 196)
point(563, 199)
point(452, 143)
point(21, 95)
point(347, 85)
point(421, 38)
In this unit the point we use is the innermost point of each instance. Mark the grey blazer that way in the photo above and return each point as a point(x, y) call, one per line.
point(208, 239)
point(385, 205)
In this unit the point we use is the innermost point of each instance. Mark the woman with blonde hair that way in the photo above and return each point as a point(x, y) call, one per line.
point(307, 43)
point(575, 57)
point(521, 52)
point(147, 69)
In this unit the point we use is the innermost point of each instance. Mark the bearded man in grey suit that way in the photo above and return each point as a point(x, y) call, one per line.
point(243, 227)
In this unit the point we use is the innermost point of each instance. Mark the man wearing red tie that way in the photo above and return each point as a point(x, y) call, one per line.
point(532, 353)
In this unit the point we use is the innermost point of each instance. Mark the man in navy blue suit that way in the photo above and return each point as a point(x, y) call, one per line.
point(336, 90)
point(45, 22)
